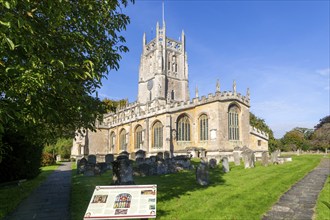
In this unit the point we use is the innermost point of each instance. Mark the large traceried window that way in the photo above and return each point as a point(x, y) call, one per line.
point(112, 141)
point(138, 137)
point(233, 122)
point(203, 128)
point(157, 135)
point(183, 131)
point(122, 140)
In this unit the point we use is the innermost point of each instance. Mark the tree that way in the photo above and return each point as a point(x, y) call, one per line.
point(53, 57)
point(112, 105)
point(261, 125)
point(320, 139)
point(294, 140)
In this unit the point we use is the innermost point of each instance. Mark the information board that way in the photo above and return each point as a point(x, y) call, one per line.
point(124, 201)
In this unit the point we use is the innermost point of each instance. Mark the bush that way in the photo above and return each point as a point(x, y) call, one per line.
point(22, 159)
point(47, 159)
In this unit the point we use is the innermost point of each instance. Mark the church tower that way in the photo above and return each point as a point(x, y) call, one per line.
point(163, 72)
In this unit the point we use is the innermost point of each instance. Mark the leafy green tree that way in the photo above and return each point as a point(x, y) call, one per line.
point(320, 139)
point(259, 123)
point(112, 105)
point(53, 56)
point(294, 140)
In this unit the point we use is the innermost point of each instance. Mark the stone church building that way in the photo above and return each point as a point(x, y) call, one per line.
point(165, 119)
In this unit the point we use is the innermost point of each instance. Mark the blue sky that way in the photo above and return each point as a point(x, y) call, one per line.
point(278, 49)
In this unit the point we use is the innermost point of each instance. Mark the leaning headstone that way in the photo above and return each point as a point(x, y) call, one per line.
point(225, 165)
point(237, 160)
point(109, 158)
point(248, 158)
point(213, 163)
point(264, 158)
point(91, 159)
point(122, 171)
point(202, 174)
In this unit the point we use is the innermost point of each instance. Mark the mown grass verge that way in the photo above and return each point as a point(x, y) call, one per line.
point(12, 195)
point(239, 194)
point(323, 203)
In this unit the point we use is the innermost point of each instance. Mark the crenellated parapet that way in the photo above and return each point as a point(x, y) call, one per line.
point(259, 133)
point(135, 111)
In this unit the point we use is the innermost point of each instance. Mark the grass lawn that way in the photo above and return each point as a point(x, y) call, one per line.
point(239, 194)
point(11, 196)
point(323, 203)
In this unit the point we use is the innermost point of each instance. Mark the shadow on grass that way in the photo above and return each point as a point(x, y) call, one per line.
point(175, 185)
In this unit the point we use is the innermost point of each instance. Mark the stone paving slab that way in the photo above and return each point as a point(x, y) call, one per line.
point(51, 200)
point(299, 201)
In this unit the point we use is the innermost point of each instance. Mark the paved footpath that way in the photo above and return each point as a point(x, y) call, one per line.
point(299, 202)
point(51, 200)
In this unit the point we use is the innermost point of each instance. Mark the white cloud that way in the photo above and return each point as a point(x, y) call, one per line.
point(324, 72)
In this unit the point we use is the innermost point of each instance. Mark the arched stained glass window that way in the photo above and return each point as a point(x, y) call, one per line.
point(233, 122)
point(112, 141)
point(157, 135)
point(122, 140)
point(138, 137)
point(203, 128)
point(183, 130)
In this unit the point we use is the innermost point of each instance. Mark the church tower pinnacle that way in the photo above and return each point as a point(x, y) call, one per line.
point(163, 72)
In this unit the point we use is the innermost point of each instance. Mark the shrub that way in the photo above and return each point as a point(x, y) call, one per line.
point(47, 159)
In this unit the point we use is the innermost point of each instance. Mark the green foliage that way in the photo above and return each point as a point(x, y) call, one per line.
point(260, 124)
point(22, 160)
point(12, 195)
point(325, 120)
point(47, 159)
point(62, 146)
point(320, 139)
point(180, 197)
point(294, 140)
point(323, 202)
point(53, 57)
point(112, 105)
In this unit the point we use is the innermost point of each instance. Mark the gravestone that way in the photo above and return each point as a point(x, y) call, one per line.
point(237, 160)
point(140, 154)
point(58, 158)
point(132, 156)
point(248, 158)
point(213, 163)
point(202, 153)
point(225, 165)
point(91, 159)
point(264, 158)
point(125, 153)
point(202, 174)
point(109, 158)
point(81, 165)
point(122, 171)
point(274, 157)
point(326, 150)
point(160, 156)
point(153, 159)
point(166, 155)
